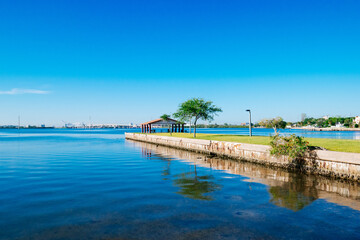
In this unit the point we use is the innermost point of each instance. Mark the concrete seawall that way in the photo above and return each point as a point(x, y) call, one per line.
point(329, 163)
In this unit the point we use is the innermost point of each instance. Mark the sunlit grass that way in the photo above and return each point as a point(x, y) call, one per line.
point(340, 145)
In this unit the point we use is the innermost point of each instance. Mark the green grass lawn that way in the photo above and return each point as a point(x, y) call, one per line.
point(340, 145)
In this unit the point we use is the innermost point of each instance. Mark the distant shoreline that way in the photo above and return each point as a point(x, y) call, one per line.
point(297, 128)
point(328, 129)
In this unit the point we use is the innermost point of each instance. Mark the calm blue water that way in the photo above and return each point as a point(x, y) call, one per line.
point(81, 184)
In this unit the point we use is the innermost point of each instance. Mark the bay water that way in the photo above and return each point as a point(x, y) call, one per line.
point(94, 184)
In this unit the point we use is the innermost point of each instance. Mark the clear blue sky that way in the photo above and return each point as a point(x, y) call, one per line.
point(131, 61)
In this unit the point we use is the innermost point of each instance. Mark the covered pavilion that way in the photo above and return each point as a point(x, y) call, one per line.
point(149, 127)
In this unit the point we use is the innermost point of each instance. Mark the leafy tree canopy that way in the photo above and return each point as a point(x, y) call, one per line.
point(275, 123)
point(195, 109)
point(165, 117)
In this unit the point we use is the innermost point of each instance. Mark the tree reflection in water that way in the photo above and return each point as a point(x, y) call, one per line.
point(295, 194)
point(286, 189)
point(166, 171)
point(191, 185)
point(194, 186)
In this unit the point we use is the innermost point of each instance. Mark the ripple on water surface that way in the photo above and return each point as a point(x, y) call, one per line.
point(66, 184)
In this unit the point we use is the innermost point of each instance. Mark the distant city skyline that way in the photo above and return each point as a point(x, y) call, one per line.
point(129, 62)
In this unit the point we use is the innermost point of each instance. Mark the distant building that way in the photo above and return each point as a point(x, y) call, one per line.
point(338, 125)
point(326, 117)
point(357, 120)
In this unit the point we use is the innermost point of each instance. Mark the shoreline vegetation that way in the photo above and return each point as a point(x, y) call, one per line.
point(331, 129)
point(327, 129)
point(339, 145)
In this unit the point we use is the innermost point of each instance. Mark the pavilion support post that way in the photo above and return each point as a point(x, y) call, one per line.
point(182, 130)
point(178, 127)
point(142, 128)
point(150, 128)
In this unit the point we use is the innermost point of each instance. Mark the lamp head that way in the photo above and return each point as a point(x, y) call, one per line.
point(248, 110)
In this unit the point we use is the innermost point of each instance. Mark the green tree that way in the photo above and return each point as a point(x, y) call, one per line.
point(195, 109)
point(184, 114)
point(275, 123)
point(320, 123)
point(166, 118)
point(332, 121)
point(348, 122)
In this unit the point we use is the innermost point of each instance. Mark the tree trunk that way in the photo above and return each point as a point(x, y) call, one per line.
point(275, 130)
point(190, 126)
point(195, 129)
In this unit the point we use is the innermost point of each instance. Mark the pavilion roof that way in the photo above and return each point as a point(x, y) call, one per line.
point(161, 120)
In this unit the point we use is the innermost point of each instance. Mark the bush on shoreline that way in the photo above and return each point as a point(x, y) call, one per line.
point(293, 146)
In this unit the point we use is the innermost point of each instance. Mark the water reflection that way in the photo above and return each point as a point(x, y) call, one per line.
point(295, 194)
point(287, 189)
point(194, 186)
point(191, 184)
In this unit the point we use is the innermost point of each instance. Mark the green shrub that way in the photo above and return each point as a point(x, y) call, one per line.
point(293, 146)
point(356, 125)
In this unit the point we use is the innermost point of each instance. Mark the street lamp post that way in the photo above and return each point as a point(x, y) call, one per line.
point(250, 132)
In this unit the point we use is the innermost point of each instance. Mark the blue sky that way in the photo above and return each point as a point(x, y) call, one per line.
point(131, 61)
